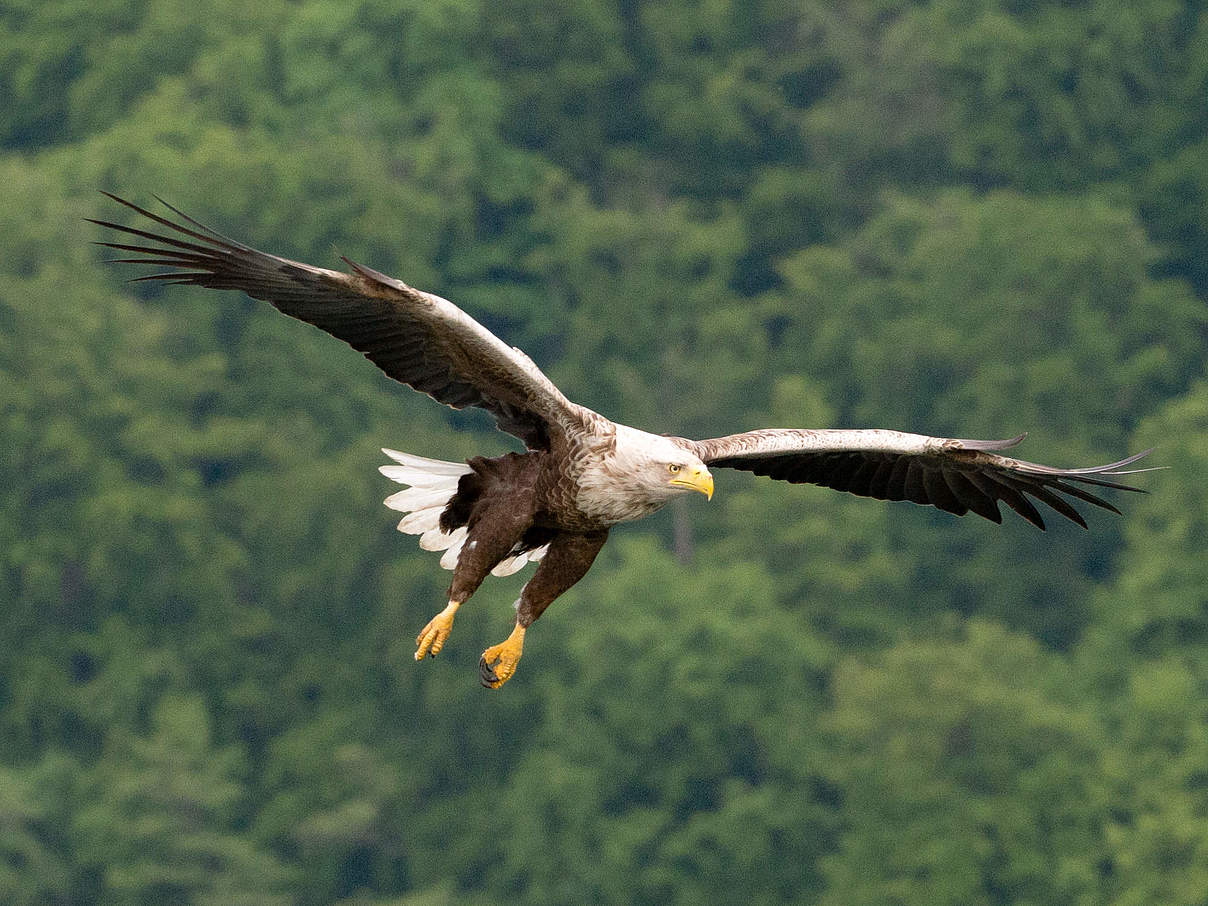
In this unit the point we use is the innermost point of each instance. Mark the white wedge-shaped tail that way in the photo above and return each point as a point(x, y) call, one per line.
point(431, 484)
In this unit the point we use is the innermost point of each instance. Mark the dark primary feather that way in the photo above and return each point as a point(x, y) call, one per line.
point(416, 338)
point(958, 476)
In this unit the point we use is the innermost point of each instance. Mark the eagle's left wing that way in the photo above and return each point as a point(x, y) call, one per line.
point(951, 474)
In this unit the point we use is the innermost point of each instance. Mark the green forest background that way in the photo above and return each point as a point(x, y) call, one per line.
point(960, 217)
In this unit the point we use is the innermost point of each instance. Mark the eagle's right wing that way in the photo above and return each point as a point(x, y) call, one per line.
point(417, 338)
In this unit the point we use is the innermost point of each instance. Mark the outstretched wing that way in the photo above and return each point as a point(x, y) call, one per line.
point(955, 475)
point(417, 338)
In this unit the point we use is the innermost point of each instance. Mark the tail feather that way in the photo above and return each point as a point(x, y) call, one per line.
point(518, 560)
point(436, 540)
point(431, 484)
point(449, 560)
point(415, 499)
point(420, 522)
point(413, 476)
point(423, 465)
point(510, 565)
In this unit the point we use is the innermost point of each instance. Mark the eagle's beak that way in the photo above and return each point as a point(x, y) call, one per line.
point(696, 480)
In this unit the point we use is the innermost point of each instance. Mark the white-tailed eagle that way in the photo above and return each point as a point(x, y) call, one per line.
point(581, 473)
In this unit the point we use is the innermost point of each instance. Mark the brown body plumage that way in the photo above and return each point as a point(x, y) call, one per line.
point(581, 473)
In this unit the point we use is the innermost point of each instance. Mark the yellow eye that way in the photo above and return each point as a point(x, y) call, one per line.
point(673, 468)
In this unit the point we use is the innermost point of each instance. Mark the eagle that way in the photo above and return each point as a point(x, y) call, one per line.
point(580, 473)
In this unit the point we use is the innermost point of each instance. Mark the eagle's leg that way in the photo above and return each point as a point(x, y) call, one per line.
point(495, 530)
point(569, 557)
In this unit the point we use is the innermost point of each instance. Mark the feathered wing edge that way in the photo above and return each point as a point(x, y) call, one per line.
point(416, 338)
point(956, 475)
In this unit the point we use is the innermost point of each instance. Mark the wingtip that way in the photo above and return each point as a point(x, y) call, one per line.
point(122, 201)
point(177, 211)
point(1116, 468)
point(111, 197)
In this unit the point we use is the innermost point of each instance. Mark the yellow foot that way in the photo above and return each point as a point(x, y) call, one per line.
point(433, 636)
point(498, 662)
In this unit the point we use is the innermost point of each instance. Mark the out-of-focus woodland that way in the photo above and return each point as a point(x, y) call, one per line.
point(961, 217)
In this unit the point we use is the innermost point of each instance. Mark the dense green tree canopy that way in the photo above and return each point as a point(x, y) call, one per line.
point(953, 217)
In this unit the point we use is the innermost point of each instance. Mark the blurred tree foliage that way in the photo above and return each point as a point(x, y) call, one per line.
point(968, 218)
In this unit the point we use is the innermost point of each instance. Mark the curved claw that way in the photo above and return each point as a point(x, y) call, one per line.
point(432, 637)
point(490, 679)
point(498, 662)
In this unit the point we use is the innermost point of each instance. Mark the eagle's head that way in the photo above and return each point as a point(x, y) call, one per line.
point(659, 467)
point(639, 474)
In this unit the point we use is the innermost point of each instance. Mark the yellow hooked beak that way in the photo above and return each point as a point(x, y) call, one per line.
point(695, 480)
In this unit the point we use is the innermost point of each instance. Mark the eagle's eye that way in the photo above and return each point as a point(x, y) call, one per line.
point(673, 468)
